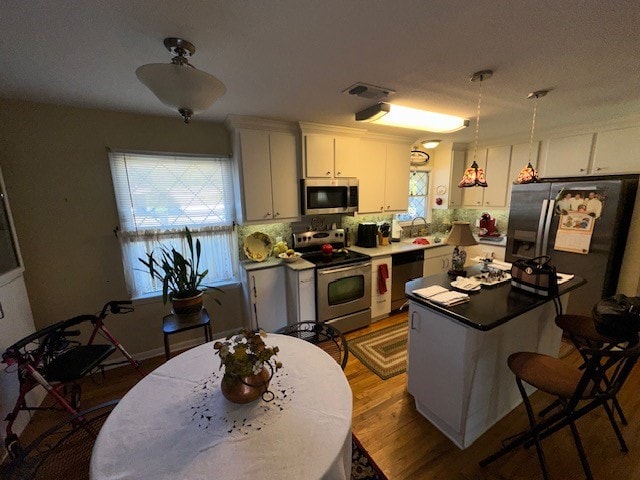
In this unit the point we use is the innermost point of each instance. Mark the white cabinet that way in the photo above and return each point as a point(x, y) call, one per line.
point(437, 260)
point(495, 161)
point(446, 173)
point(617, 151)
point(567, 156)
point(384, 176)
point(265, 297)
point(301, 295)
point(267, 170)
point(330, 155)
point(380, 302)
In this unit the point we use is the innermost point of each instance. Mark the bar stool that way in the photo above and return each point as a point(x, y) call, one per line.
point(175, 324)
point(578, 390)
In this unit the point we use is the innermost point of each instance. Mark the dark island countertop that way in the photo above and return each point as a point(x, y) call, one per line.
point(490, 306)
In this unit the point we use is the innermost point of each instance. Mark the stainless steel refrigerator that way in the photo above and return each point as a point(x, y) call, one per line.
point(581, 223)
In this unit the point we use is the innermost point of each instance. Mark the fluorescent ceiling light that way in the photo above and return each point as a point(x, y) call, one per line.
point(406, 117)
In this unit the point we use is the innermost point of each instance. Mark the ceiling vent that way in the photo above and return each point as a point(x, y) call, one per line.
point(365, 90)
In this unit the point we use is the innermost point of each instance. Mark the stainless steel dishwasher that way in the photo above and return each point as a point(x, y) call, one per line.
point(404, 267)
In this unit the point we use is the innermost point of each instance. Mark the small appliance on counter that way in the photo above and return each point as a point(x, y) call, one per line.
point(367, 235)
point(383, 234)
point(487, 226)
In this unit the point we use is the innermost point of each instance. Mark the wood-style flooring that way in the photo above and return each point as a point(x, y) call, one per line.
point(406, 446)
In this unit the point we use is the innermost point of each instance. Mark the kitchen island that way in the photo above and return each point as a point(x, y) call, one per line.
point(457, 367)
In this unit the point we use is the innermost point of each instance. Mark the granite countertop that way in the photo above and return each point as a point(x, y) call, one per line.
point(405, 245)
point(489, 307)
point(271, 262)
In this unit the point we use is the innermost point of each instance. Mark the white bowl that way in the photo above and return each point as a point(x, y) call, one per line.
point(291, 258)
point(257, 246)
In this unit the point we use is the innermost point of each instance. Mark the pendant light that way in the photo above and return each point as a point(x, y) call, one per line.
point(529, 174)
point(474, 175)
point(178, 84)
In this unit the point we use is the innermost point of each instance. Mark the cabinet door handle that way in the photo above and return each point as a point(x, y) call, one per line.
point(382, 208)
point(338, 174)
point(277, 214)
point(601, 168)
point(388, 207)
point(582, 169)
point(413, 314)
point(255, 314)
point(328, 174)
point(253, 282)
point(268, 214)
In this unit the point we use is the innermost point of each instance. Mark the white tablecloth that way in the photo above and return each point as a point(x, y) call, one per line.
point(175, 423)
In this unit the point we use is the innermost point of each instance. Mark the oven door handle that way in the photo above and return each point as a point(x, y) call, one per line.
point(327, 271)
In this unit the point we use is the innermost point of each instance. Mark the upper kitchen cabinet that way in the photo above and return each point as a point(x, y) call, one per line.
point(447, 167)
point(330, 152)
point(384, 176)
point(267, 169)
point(566, 156)
point(495, 161)
point(617, 151)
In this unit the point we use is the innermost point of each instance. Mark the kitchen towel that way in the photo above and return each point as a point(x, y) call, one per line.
point(383, 275)
point(442, 296)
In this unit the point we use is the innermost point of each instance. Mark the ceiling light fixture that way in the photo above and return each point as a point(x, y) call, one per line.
point(529, 174)
point(178, 84)
point(431, 143)
point(474, 175)
point(406, 117)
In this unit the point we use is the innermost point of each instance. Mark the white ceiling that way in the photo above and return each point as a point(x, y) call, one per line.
point(291, 59)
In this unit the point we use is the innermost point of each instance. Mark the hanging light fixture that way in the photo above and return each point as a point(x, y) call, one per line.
point(529, 174)
point(178, 84)
point(407, 117)
point(474, 175)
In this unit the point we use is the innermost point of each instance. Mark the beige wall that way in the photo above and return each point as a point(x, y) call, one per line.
point(56, 169)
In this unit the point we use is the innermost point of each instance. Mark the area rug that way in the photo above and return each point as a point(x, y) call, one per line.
point(362, 465)
point(384, 352)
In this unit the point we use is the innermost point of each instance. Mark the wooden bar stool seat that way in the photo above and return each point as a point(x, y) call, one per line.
point(175, 324)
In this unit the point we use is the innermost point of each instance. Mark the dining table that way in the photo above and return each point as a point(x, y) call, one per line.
point(176, 424)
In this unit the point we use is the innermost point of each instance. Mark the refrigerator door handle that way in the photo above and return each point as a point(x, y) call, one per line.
point(543, 214)
point(547, 226)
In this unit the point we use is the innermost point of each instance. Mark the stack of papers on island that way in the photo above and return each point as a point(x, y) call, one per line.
point(442, 296)
point(499, 264)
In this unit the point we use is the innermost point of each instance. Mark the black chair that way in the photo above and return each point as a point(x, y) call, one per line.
point(329, 338)
point(63, 451)
point(579, 391)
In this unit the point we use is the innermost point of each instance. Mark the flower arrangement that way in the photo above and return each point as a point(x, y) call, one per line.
point(245, 353)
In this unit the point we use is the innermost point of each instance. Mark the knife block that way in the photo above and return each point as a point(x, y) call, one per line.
point(382, 241)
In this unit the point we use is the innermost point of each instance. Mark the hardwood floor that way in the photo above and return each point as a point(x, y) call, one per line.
point(406, 446)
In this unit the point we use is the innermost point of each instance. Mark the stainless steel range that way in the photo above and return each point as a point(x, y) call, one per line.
point(343, 279)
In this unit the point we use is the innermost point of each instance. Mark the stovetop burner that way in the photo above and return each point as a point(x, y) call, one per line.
point(310, 245)
point(337, 258)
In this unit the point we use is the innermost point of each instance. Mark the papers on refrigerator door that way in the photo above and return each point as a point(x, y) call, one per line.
point(442, 296)
point(574, 233)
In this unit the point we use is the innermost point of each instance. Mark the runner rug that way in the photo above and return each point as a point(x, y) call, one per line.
point(384, 352)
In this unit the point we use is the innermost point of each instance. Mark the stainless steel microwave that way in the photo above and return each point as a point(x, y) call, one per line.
point(329, 195)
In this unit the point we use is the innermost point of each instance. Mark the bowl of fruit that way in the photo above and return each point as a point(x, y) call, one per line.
point(290, 256)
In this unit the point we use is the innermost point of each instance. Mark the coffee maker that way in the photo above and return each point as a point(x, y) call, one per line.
point(367, 235)
point(487, 226)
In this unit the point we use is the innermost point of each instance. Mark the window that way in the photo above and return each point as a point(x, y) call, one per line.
point(158, 195)
point(418, 195)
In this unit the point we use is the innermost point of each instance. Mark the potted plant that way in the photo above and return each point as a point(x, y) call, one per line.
point(180, 276)
point(245, 358)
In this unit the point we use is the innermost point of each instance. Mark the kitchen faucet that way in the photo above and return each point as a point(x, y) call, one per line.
point(426, 226)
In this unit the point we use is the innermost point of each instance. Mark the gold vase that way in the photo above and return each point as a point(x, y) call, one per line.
point(245, 389)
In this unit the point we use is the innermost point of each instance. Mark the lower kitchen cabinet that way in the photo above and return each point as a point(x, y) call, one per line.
point(265, 297)
point(380, 302)
point(437, 260)
point(301, 295)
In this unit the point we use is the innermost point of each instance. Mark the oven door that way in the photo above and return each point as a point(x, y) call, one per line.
point(343, 290)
